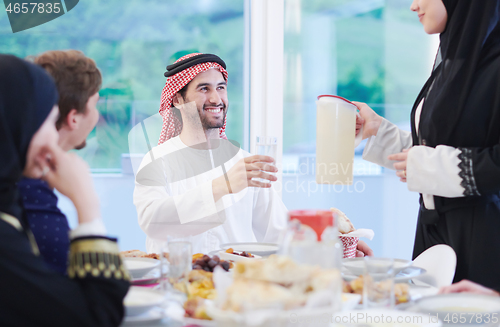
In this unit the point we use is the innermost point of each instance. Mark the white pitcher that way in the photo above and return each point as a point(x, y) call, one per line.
point(335, 139)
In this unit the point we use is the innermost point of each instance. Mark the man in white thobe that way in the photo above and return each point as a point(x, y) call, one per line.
point(196, 185)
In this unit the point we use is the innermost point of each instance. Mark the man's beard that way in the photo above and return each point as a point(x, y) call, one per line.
point(81, 145)
point(208, 124)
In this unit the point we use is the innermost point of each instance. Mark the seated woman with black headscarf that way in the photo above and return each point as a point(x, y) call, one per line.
point(32, 294)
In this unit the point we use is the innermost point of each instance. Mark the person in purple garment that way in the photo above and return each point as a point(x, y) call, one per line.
point(78, 81)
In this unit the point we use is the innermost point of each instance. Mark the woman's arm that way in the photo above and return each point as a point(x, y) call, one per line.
point(434, 171)
point(468, 287)
point(389, 140)
point(385, 138)
point(451, 172)
point(34, 295)
point(480, 170)
point(37, 296)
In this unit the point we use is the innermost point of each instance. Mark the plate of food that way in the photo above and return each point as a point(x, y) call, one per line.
point(462, 308)
point(199, 322)
point(200, 289)
point(191, 313)
point(140, 300)
point(401, 290)
point(356, 266)
point(138, 267)
point(403, 276)
point(261, 249)
point(152, 277)
point(152, 316)
point(236, 256)
point(269, 284)
point(149, 277)
point(267, 292)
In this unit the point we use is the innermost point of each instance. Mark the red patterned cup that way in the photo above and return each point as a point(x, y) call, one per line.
point(350, 245)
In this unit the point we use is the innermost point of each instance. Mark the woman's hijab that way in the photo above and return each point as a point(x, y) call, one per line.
point(27, 95)
point(470, 40)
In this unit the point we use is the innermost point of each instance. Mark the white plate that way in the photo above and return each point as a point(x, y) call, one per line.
point(138, 267)
point(199, 322)
point(176, 312)
point(262, 249)
point(403, 276)
point(357, 265)
point(154, 315)
point(459, 303)
point(236, 258)
point(271, 317)
point(384, 317)
point(151, 277)
point(268, 317)
point(139, 300)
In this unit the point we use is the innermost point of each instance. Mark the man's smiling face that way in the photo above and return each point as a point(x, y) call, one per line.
point(209, 91)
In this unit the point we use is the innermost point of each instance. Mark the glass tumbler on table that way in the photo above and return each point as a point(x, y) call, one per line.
point(378, 283)
point(164, 268)
point(179, 265)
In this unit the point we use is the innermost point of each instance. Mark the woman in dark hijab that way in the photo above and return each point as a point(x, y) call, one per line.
point(452, 155)
point(32, 294)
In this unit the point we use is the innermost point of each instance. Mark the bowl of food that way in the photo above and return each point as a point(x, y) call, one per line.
point(357, 265)
point(138, 267)
point(140, 300)
point(237, 256)
point(462, 308)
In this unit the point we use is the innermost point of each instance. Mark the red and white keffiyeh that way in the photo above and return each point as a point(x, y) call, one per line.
point(172, 126)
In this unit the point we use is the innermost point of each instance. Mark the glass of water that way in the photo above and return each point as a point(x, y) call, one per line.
point(180, 258)
point(378, 290)
point(180, 264)
point(164, 283)
point(267, 146)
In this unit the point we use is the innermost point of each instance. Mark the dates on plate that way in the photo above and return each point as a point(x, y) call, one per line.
point(208, 264)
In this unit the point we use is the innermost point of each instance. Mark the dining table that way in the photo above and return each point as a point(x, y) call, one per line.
point(172, 317)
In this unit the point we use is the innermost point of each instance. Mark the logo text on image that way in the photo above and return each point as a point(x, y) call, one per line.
point(26, 14)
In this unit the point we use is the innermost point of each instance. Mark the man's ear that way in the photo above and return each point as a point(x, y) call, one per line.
point(72, 120)
point(178, 101)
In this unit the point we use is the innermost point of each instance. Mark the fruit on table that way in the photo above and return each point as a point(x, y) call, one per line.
point(208, 264)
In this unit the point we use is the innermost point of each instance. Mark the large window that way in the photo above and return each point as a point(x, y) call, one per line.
point(132, 42)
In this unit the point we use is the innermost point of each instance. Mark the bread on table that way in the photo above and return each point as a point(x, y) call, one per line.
point(344, 225)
